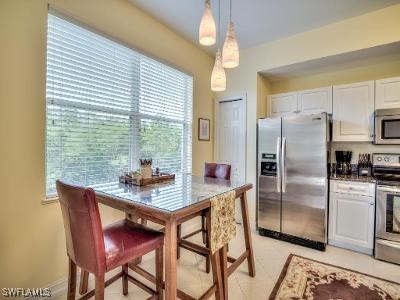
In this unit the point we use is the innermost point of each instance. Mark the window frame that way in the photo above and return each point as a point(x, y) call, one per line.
point(134, 115)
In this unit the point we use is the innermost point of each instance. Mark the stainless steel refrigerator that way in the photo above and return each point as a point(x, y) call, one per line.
point(293, 178)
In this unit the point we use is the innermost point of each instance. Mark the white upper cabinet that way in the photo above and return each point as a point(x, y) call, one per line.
point(282, 104)
point(353, 110)
point(315, 100)
point(301, 102)
point(387, 93)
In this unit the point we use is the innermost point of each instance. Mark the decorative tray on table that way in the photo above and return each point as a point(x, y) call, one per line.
point(139, 180)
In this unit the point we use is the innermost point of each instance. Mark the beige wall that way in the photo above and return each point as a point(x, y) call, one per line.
point(31, 236)
point(373, 29)
point(264, 88)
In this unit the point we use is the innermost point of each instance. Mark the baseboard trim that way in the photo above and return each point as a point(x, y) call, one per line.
point(57, 288)
point(349, 246)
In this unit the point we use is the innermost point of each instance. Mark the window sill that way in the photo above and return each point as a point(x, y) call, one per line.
point(49, 200)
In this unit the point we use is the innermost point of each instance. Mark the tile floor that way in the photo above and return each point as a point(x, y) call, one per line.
point(270, 256)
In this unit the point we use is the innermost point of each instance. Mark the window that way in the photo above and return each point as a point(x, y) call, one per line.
point(108, 106)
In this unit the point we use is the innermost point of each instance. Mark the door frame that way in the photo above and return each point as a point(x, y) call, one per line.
point(217, 102)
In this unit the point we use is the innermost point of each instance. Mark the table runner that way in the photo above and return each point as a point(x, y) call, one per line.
point(223, 226)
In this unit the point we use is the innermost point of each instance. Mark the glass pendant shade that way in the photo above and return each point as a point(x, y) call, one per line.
point(230, 51)
point(218, 78)
point(207, 29)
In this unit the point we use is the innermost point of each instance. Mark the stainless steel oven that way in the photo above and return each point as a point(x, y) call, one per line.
point(387, 126)
point(387, 246)
point(386, 169)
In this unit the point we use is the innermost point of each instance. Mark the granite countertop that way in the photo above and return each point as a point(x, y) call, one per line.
point(352, 177)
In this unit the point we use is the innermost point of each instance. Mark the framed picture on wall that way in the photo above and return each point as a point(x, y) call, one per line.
point(204, 129)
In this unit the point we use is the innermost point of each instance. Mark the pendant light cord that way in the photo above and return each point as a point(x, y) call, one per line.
point(230, 10)
point(219, 21)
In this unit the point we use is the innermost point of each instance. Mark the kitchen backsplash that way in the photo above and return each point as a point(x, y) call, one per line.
point(361, 147)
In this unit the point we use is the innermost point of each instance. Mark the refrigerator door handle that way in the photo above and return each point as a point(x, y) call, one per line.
point(283, 171)
point(278, 164)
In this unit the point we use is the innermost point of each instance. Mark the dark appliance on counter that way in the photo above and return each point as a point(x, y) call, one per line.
point(364, 165)
point(292, 192)
point(343, 162)
point(386, 170)
point(387, 126)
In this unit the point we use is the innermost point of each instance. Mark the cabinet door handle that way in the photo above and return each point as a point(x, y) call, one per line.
point(372, 203)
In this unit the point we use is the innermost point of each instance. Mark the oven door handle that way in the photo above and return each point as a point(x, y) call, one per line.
point(389, 190)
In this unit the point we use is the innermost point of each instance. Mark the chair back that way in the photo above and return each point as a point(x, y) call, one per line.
point(214, 170)
point(82, 225)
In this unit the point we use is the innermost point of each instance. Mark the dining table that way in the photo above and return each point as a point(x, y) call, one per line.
point(170, 204)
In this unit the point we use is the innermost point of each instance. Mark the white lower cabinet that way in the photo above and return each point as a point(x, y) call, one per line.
point(352, 216)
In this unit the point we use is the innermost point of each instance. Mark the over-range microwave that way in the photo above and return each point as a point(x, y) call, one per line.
point(387, 126)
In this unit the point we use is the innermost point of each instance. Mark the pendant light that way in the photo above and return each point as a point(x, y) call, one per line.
point(218, 77)
point(230, 51)
point(207, 29)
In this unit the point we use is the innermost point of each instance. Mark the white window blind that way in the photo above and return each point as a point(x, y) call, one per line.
point(108, 106)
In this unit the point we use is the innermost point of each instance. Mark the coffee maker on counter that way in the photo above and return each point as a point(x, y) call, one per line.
point(343, 162)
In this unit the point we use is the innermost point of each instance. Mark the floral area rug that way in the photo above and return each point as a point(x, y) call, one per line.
point(303, 278)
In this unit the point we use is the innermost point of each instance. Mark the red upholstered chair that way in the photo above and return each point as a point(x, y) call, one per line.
point(211, 170)
point(214, 170)
point(97, 250)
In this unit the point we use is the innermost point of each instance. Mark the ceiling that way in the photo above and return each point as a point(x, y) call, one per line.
point(258, 21)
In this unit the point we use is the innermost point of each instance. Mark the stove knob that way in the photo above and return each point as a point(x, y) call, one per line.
point(379, 158)
point(386, 159)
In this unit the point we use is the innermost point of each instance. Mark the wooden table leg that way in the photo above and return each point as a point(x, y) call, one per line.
point(217, 275)
point(247, 234)
point(135, 219)
point(170, 260)
point(224, 269)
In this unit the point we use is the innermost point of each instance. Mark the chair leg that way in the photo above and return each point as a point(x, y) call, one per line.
point(99, 287)
point(143, 221)
point(71, 280)
point(83, 286)
point(179, 235)
point(208, 260)
point(204, 229)
point(207, 218)
point(125, 279)
point(159, 272)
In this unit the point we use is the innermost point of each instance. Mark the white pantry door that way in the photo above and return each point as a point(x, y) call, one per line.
point(231, 136)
